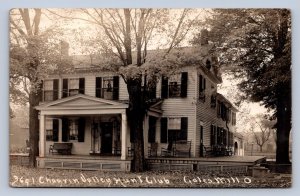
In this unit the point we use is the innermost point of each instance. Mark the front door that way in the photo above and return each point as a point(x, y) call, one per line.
point(106, 137)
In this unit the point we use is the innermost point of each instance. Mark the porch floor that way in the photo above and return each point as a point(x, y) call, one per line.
point(85, 162)
point(235, 164)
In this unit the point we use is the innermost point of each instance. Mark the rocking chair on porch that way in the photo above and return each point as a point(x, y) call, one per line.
point(169, 151)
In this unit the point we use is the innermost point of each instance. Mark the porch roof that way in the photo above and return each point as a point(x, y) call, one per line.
point(81, 104)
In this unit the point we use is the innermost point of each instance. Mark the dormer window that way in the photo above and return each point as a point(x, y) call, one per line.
point(174, 86)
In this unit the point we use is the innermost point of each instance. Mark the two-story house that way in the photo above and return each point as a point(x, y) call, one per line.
point(87, 108)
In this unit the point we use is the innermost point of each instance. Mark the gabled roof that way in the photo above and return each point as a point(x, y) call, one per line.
point(226, 101)
point(81, 101)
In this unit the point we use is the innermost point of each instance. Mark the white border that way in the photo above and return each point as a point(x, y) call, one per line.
point(6, 5)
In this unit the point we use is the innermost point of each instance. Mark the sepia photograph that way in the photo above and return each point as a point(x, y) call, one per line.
point(150, 98)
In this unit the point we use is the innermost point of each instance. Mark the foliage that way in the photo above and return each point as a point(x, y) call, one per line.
point(33, 55)
point(261, 129)
point(255, 46)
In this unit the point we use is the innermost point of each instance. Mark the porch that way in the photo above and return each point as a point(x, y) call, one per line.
point(231, 164)
point(82, 125)
point(85, 162)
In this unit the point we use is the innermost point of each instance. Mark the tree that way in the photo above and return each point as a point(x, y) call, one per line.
point(255, 46)
point(128, 34)
point(32, 56)
point(265, 127)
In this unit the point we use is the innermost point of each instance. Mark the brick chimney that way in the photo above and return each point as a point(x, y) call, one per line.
point(64, 48)
point(204, 37)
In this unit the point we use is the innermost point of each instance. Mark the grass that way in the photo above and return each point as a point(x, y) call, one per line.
point(22, 176)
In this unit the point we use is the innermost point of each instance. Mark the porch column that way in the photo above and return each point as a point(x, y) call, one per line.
point(42, 136)
point(124, 135)
point(59, 130)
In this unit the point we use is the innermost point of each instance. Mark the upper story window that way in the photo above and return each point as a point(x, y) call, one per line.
point(175, 86)
point(213, 101)
point(73, 86)
point(50, 90)
point(222, 111)
point(202, 87)
point(233, 122)
point(107, 87)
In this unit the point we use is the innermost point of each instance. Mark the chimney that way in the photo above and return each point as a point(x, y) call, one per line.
point(204, 37)
point(64, 48)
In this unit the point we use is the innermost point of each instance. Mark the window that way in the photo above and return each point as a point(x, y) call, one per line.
point(49, 130)
point(230, 138)
point(173, 129)
point(202, 87)
point(213, 101)
point(233, 118)
point(50, 90)
point(73, 86)
point(222, 111)
point(174, 86)
point(73, 130)
point(51, 126)
point(213, 134)
point(107, 87)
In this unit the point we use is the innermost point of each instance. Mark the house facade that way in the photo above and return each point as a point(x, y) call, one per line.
point(88, 109)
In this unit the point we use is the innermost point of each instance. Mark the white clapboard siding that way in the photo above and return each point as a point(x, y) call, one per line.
point(90, 85)
point(184, 107)
point(207, 115)
point(123, 92)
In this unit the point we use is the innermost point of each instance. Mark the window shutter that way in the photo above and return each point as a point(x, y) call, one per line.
point(225, 137)
point(152, 129)
point(65, 88)
point(81, 129)
point(184, 128)
point(163, 130)
point(116, 88)
point(55, 129)
point(98, 86)
point(212, 135)
point(200, 83)
point(184, 83)
point(164, 87)
point(65, 129)
point(55, 89)
point(81, 85)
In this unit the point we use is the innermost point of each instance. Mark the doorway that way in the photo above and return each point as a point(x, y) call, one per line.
point(106, 137)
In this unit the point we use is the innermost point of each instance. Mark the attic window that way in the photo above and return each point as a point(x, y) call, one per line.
point(208, 64)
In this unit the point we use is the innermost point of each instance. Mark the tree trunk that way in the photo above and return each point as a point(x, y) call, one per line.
point(34, 98)
point(260, 148)
point(283, 130)
point(136, 114)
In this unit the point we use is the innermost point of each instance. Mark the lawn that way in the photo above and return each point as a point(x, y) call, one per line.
point(22, 176)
